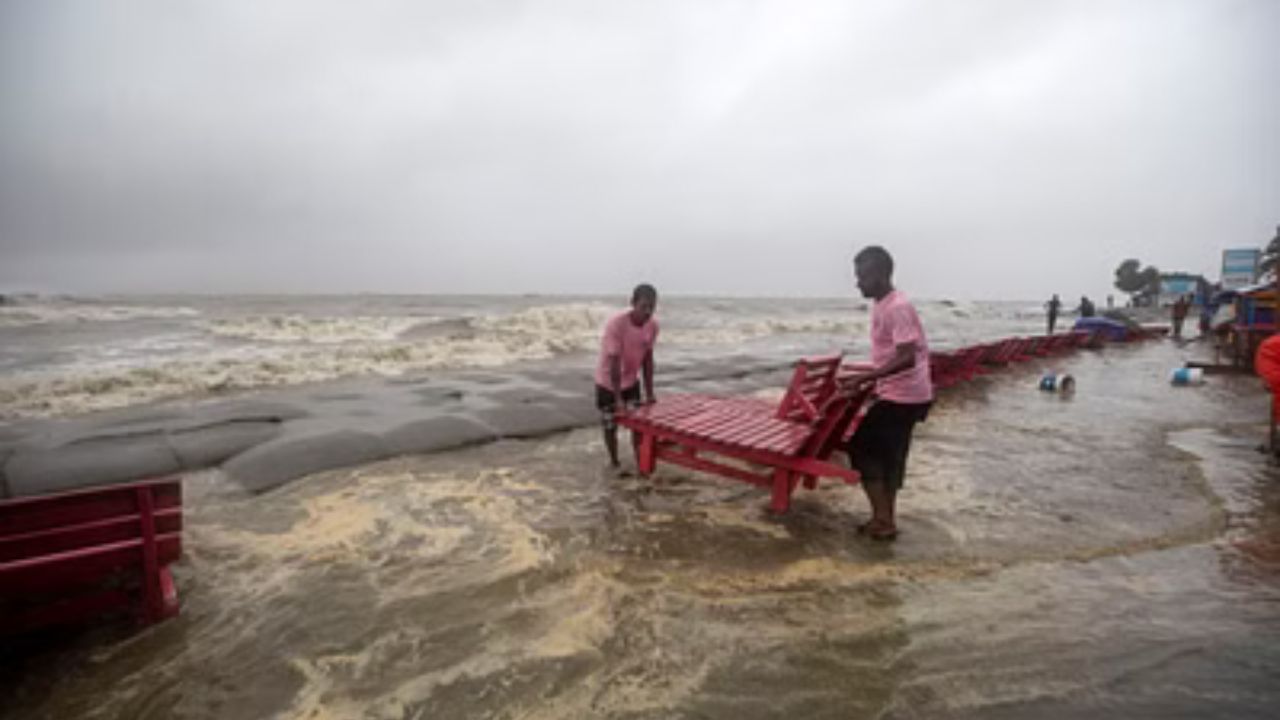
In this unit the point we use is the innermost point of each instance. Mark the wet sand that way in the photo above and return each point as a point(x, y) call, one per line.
point(1114, 554)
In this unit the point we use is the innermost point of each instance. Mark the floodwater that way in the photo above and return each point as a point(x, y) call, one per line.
point(1115, 554)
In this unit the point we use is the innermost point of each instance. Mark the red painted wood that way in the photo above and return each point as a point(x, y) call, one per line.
point(696, 463)
point(815, 417)
point(81, 567)
point(152, 606)
point(789, 442)
point(770, 435)
point(648, 453)
point(811, 381)
point(168, 594)
point(99, 532)
point(733, 422)
point(750, 454)
point(57, 550)
point(815, 468)
point(782, 487)
point(745, 427)
point(703, 424)
point(765, 433)
point(28, 514)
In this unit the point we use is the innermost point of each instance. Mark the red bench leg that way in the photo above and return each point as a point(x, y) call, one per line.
point(152, 596)
point(781, 492)
point(168, 594)
point(645, 459)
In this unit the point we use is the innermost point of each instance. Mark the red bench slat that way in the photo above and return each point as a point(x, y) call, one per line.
point(27, 514)
point(734, 433)
point(84, 566)
point(100, 532)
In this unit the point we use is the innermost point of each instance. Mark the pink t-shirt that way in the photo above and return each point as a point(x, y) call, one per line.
point(624, 339)
point(893, 322)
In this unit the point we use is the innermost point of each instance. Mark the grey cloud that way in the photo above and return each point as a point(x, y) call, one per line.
point(1000, 149)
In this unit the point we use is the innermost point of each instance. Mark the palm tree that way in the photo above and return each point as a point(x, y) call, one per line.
point(1270, 257)
point(1139, 283)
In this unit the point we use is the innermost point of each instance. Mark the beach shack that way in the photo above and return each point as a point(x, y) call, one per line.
point(1246, 317)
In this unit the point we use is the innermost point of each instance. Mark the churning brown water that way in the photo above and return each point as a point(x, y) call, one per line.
point(1116, 554)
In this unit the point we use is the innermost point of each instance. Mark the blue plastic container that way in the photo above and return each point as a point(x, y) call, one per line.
point(1052, 382)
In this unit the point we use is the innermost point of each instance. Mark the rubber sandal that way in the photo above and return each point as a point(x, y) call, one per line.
point(873, 528)
point(882, 533)
point(877, 531)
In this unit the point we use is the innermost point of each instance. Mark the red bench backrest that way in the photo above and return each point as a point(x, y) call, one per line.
point(53, 544)
point(813, 381)
point(837, 415)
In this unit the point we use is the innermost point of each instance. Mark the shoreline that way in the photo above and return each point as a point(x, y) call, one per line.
point(267, 438)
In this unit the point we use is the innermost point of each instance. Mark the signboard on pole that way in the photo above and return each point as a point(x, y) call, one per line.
point(1176, 285)
point(1240, 267)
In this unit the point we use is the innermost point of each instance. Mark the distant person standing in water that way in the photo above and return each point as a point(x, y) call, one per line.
point(903, 391)
point(1086, 308)
point(626, 358)
point(1179, 311)
point(1052, 307)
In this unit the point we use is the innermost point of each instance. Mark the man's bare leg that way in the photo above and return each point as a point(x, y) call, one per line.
point(611, 442)
point(881, 507)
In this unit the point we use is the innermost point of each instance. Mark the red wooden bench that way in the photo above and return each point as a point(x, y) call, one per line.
point(944, 368)
point(75, 555)
point(1005, 351)
point(949, 368)
point(1058, 343)
point(794, 439)
point(987, 357)
point(1034, 346)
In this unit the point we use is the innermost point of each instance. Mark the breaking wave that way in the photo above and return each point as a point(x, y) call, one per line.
point(288, 349)
point(298, 328)
point(48, 312)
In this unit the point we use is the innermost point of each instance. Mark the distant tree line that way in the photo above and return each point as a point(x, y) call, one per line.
point(1271, 256)
point(1142, 284)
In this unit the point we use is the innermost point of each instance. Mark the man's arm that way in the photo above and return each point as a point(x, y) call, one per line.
point(647, 373)
point(904, 358)
point(615, 379)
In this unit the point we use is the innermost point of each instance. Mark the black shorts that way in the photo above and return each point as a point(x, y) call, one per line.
point(605, 403)
point(879, 447)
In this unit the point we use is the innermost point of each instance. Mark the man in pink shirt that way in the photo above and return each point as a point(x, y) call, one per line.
point(626, 355)
point(903, 390)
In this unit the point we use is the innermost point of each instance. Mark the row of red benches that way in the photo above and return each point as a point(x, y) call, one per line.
point(949, 368)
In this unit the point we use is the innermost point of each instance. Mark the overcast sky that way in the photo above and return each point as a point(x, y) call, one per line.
point(999, 149)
